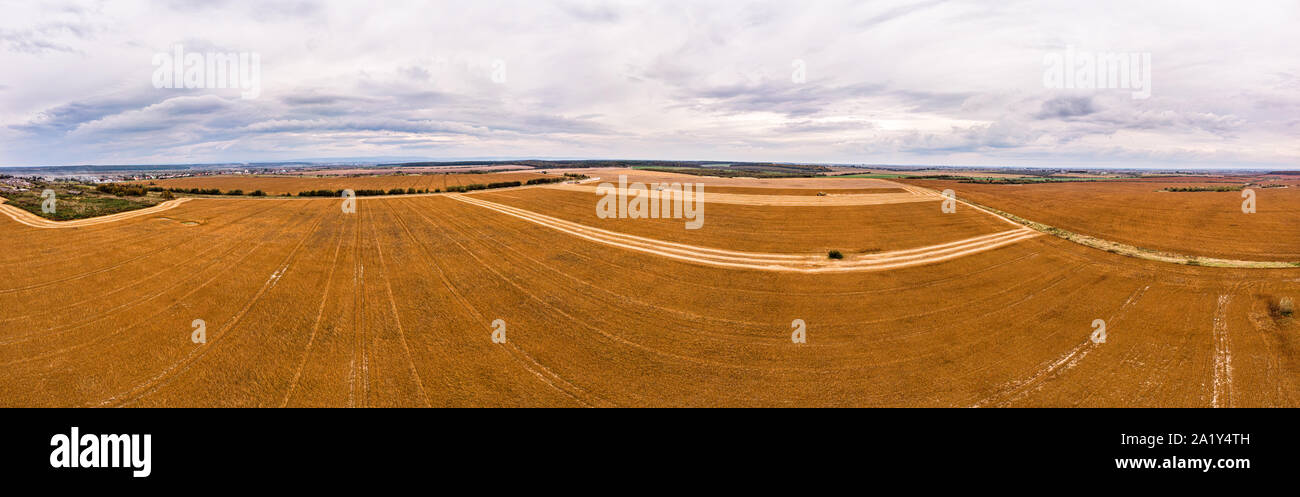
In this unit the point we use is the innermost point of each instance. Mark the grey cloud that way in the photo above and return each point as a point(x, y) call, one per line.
point(31, 42)
point(806, 126)
point(997, 135)
point(314, 98)
point(48, 36)
point(1066, 107)
point(182, 113)
point(898, 12)
point(361, 124)
point(69, 116)
point(590, 11)
point(887, 81)
point(782, 97)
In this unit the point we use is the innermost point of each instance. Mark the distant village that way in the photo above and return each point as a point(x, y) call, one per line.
point(24, 179)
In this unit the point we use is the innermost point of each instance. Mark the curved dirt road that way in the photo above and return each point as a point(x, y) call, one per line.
point(35, 221)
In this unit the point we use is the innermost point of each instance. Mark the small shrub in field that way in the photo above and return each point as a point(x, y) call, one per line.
point(835, 254)
point(168, 195)
point(542, 181)
point(1281, 307)
point(258, 193)
point(1203, 189)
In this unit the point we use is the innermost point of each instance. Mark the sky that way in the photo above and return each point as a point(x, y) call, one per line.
point(865, 82)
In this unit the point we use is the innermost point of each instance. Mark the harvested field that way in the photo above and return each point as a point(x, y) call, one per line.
point(801, 192)
point(392, 306)
point(1207, 224)
point(291, 185)
point(785, 229)
point(405, 170)
point(809, 263)
point(638, 175)
point(894, 196)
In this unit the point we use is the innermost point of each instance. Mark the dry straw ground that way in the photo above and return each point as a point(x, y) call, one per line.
point(392, 306)
point(1208, 224)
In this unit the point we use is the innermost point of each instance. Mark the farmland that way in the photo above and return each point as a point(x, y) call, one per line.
point(805, 228)
point(292, 185)
point(1138, 213)
point(393, 305)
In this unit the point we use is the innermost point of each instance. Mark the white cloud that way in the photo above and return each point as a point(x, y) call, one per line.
point(935, 82)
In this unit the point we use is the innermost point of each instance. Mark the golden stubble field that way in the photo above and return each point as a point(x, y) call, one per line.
point(1136, 212)
point(393, 305)
point(293, 184)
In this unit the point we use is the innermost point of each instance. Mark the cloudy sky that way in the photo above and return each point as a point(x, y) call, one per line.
point(884, 82)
